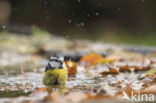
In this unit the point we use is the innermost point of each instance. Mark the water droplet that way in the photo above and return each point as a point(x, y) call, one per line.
point(72, 13)
point(62, 3)
point(48, 17)
point(78, 25)
point(4, 27)
point(82, 24)
point(69, 21)
point(67, 36)
point(94, 23)
point(79, 0)
point(88, 15)
point(45, 3)
point(55, 5)
point(96, 13)
point(45, 11)
point(100, 4)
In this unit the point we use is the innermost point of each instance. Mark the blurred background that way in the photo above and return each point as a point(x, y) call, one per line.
point(116, 21)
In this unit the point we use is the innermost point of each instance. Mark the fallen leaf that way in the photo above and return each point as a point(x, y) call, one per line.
point(150, 72)
point(105, 60)
point(125, 68)
point(75, 97)
point(149, 90)
point(72, 68)
point(111, 71)
point(91, 59)
point(97, 97)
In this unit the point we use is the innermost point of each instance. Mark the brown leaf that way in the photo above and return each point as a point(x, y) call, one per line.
point(125, 68)
point(98, 96)
point(150, 89)
point(72, 68)
point(75, 97)
point(111, 71)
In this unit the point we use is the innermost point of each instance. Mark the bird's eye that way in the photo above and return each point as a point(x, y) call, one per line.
point(56, 60)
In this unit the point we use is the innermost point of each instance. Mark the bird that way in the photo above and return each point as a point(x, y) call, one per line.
point(56, 72)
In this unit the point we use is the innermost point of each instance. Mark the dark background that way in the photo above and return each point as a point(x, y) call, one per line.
point(107, 20)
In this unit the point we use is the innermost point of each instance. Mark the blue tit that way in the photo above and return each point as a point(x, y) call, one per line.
point(56, 71)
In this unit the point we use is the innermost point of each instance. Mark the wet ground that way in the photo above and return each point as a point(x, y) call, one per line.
point(23, 58)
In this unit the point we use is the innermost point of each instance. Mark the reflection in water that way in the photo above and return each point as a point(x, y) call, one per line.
point(56, 88)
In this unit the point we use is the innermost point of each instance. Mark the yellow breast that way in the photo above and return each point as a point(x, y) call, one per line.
point(55, 76)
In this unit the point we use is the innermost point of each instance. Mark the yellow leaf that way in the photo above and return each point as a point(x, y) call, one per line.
point(150, 72)
point(103, 60)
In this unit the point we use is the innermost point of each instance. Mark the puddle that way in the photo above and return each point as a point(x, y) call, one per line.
point(16, 84)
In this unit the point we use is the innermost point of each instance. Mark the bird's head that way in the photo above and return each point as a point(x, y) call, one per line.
point(55, 62)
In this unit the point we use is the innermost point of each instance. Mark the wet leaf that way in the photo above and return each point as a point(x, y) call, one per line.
point(75, 97)
point(150, 72)
point(91, 59)
point(150, 90)
point(72, 67)
point(105, 60)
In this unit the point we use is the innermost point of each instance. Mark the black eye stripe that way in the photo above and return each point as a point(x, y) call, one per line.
point(54, 60)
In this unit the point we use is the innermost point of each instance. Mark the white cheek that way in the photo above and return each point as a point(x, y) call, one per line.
point(64, 65)
point(61, 58)
point(54, 64)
